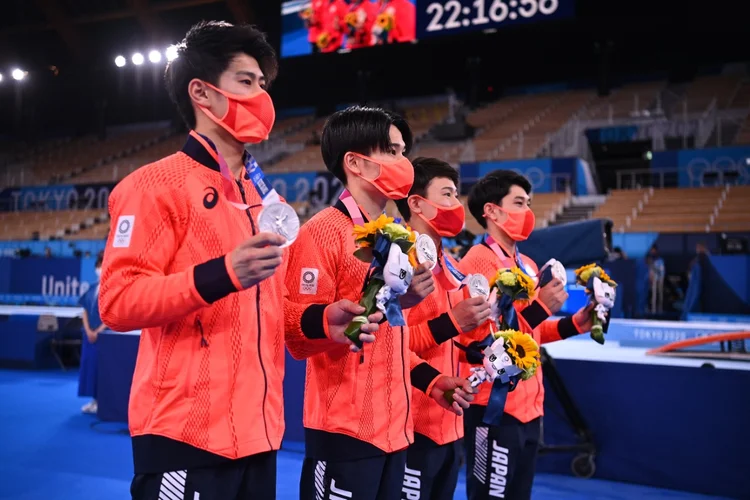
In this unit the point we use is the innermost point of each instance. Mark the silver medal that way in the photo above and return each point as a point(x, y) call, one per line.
point(479, 286)
point(426, 251)
point(280, 218)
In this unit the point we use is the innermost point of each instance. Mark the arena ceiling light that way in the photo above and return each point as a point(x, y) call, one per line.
point(120, 61)
point(1, 77)
point(18, 74)
point(154, 56)
point(137, 59)
point(171, 52)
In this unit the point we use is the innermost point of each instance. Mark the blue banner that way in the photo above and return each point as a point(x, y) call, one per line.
point(448, 17)
point(605, 135)
point(45, 281)
point(695, 165)
point(63, 197)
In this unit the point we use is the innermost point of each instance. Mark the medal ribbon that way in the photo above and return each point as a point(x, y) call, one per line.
point(253, 173)
point(355, 212)
point(450, 278)
point(507, 262)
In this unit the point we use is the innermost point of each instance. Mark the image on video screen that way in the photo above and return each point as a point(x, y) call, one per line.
point(321, 26)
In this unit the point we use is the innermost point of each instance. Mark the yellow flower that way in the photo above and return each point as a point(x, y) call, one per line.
point(507, 278)
point(584, 274)
point(524, 280)
point(307, 13)
point(382, 221)
point(323, 40)
point(385, 21)
point(522, 348)
point(351, 19)
point(413, 258)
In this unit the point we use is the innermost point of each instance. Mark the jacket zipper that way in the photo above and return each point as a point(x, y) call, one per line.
point(406, 388)
point(454, 368)
point(257, 311)
point(199, 325)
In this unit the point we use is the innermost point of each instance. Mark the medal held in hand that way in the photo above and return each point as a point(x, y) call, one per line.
point(479, 286)
point(426, 251)
point(280, 218)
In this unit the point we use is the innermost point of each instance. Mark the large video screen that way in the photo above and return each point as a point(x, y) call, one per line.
point(312, 26)
point(332, 25)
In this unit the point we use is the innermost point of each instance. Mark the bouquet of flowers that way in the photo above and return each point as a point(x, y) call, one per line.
point(384, 24)
point(512, 357)
point(510, 285)
point(389, 249)
point(601, 291)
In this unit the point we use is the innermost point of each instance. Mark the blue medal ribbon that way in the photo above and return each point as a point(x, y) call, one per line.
point(504, 383)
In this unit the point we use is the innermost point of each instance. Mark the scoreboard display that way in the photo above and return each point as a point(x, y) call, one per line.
point(443, 17)
point(312, 26)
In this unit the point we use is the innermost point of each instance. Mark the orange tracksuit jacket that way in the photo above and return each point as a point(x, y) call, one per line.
point(207, 385)
point(355, 406)
point(526, 402)
point(430, 419)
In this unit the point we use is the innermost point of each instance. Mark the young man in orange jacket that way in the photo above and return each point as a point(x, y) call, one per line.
point(433, 209)
point(501, 459)
point(186, 263)
point(358, 414)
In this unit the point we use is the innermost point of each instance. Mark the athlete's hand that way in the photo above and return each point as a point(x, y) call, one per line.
point(553, 295)
point(341, 313)
point(583, 319)
point(257, 258)
point(471, 313)
point(421, 286)
point(462, 397)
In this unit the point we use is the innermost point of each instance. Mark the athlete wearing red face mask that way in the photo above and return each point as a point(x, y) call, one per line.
point(433, 209)
point(500, 203)
point(186, 265)
point(358, 414)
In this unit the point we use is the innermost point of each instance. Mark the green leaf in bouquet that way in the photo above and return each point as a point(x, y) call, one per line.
point(597, 333)
point(367, 301)
point(404, 245)
point(364, 254)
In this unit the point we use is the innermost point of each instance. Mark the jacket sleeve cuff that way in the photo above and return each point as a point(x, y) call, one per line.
point(313, 322)
point(232, 274)
point(567, 327)
point(443, 328)
point(535, 313)
point(423, 377)
point(212, 280)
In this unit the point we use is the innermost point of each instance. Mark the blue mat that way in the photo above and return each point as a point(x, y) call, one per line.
point(50, 450)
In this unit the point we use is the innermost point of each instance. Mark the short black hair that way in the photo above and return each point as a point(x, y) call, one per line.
point(207, 51)
point(492, 188)
point(99, 260)
point(359, 129)
point(425, 170)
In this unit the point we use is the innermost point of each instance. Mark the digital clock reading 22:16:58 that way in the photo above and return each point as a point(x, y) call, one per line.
point(454, 16)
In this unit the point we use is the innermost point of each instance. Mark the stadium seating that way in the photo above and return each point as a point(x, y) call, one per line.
point(670, 210)
point(703, 90)
point(46, 225)
point(625, 101)
point(733, 214)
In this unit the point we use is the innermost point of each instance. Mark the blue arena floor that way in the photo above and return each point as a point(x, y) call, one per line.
point(49, 450)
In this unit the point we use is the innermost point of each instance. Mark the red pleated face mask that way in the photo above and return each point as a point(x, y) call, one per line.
point(519, 225)
point(395, 178)
point(248, 118)
point(448, 222)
